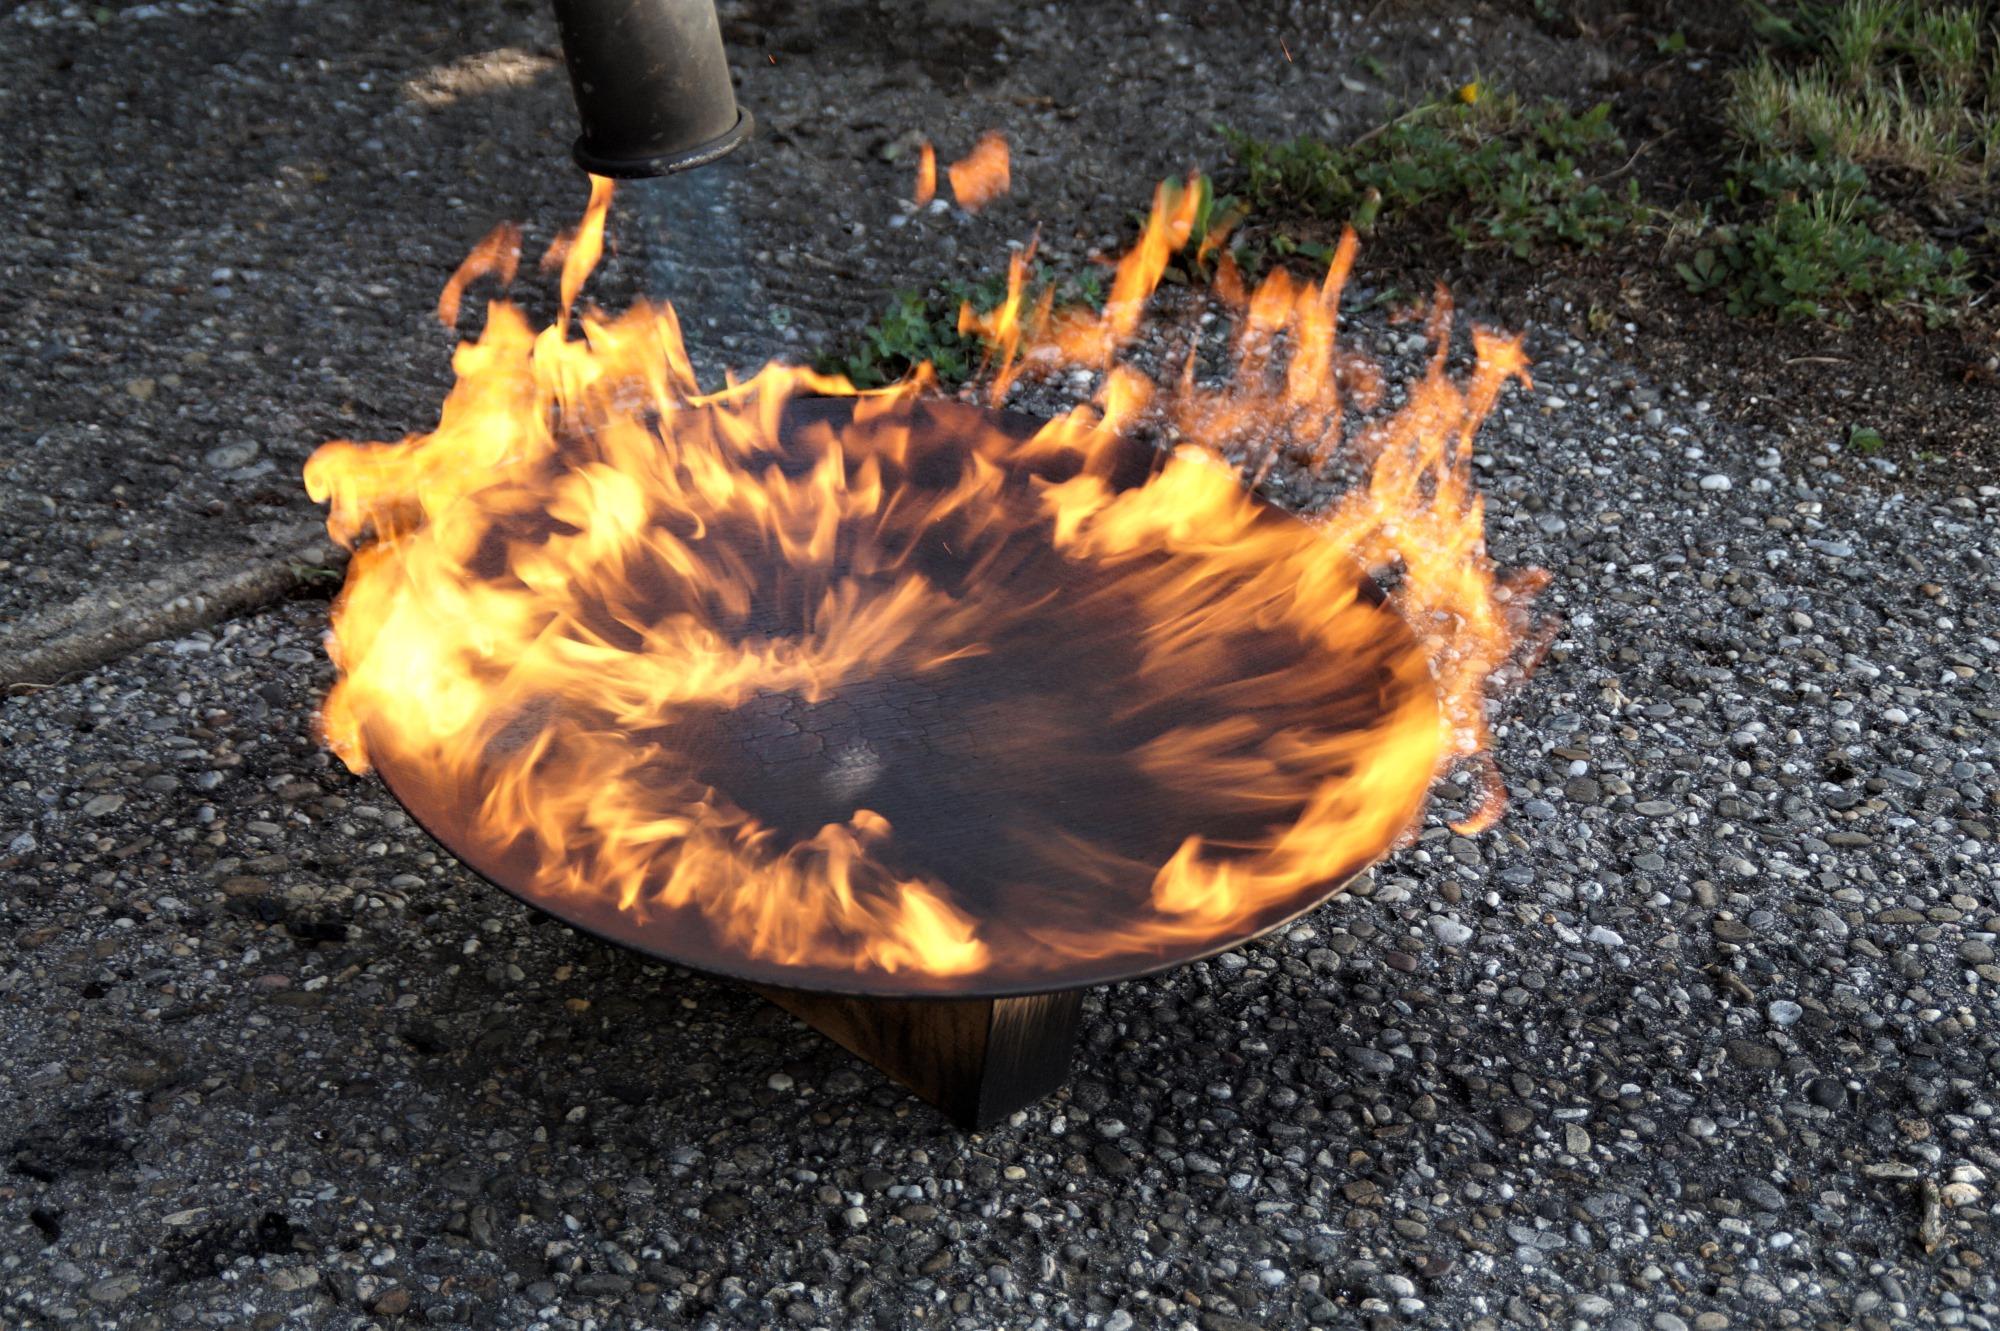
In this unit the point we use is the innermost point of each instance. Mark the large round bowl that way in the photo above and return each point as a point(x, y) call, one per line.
point(1011, 778)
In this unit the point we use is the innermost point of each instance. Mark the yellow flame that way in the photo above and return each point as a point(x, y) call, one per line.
point(544, 587)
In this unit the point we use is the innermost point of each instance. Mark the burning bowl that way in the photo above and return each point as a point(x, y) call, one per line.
point(918, 716)
point(913, 738)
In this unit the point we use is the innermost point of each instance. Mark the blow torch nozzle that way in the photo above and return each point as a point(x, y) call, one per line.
point(652, 85)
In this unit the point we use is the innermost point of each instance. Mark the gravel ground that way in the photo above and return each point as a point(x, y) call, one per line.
point(1703, 1035)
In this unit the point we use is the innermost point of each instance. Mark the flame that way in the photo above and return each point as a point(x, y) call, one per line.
point(498, 253)
point(981, 176)
point(579, 568)
point(926, 175)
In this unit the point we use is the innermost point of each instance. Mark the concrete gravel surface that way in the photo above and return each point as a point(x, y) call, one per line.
point(1703, 1035)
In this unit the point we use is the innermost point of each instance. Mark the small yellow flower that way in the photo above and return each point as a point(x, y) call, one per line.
point(1469, 92)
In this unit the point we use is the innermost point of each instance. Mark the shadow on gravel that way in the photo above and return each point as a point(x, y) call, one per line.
point(206, 1252)
point(84, 1138)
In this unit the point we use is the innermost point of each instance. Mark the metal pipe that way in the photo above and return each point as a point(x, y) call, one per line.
point(652, 85)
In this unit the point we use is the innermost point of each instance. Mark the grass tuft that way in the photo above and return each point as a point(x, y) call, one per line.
point(1850, 96)
point(1884, 83)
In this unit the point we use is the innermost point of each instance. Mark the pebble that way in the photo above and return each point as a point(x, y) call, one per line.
point(113, 1290)
point(1450, 932)
point(230, 457)
point(1752, 1053)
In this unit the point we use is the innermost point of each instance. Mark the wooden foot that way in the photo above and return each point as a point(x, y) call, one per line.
point(977, 1059)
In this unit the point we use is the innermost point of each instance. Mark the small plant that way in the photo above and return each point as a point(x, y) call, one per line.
point(1814, 254)
point(1780, 30)
point(1865, 440)
point(912, 330)
point(918, 327)
point(1084, 288)
point(1510, 174)
point(1944, 42)
point(1907, 91)
point(314, 574)
point(1886, 124)
point(1857, 33)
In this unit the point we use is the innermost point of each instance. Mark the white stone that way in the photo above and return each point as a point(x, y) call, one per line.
point(1450, 932)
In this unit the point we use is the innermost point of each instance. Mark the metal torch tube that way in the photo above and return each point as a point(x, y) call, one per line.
point(652, 85)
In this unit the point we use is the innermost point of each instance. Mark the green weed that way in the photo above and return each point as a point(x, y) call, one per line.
point(1215, 216)
point(1865, 440)
point(1810, 252)
point(1861, 86)
point(1510, 176)
point(914, 328)
point(918, 327)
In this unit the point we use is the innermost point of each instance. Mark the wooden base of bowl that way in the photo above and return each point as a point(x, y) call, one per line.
point(977, 1059)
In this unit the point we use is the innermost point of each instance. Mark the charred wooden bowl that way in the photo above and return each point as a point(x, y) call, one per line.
point(1023, 778)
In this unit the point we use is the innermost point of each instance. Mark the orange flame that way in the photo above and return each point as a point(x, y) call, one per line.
point(981, 176)
point(499, 253)
point(568, 573)
point(926, 175)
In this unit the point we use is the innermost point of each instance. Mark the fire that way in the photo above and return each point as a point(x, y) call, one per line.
point(590, 565)
point(926, 175)
point(982, 175)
